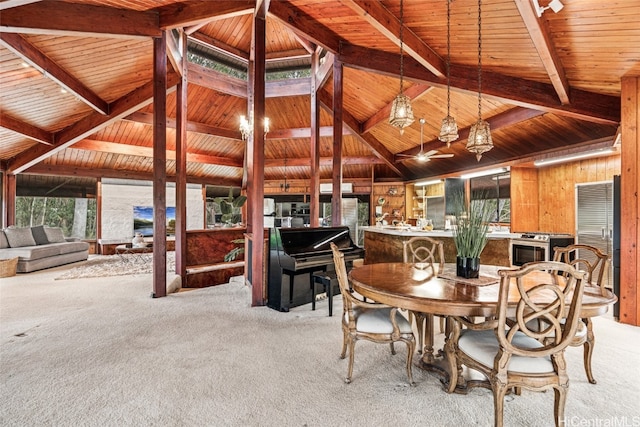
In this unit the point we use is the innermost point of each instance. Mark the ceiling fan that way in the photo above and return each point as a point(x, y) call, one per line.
point(422, 156)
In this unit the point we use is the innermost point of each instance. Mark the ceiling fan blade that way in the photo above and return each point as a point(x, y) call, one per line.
point(430, 153)
point(441, 156)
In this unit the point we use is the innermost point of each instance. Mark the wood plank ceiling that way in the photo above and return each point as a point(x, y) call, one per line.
point(75, 83)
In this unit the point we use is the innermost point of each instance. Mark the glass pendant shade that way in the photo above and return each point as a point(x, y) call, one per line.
point(448, 130)
point(246, 126)
point(401, 113)
point(479, 138)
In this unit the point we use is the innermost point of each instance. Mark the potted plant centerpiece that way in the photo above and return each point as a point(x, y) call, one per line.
point(470, 234)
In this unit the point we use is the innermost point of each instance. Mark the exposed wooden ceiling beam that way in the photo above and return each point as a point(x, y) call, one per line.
point(147, 151)
point(147, 118)
point(539, 33)
point(378, 149)
point(387, 24)
point(44, 169)
point(187, 13)
point(414, 92)
point(587, 106)
point(217, 45)
point(304, 26)
point(220, 82)
point(324, 161)
point(298, 133)
point(88, 125)
point(60, 18)
point(51, 69)
point(504, 119)
point(25, 129)
point(6, 4)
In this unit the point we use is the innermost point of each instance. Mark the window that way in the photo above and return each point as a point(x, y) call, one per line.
point(496, 190)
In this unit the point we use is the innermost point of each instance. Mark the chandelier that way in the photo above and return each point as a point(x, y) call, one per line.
point(479, 136)
point(401, 114)
point(246, 126)
point(285, 185)
point(449, 128)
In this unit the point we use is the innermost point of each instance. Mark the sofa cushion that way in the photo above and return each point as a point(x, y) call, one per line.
point(69, 247)
point(19, 237)
point(29, 253)
point(39, 235)
point(4, 243)
point(54, 234)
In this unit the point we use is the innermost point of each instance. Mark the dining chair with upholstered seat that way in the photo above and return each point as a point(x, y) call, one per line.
point(509, 353)
point(595, 264)
point(430, 253)
point(371, 321)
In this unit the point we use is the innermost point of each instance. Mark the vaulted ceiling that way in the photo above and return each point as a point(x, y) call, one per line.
point(76, 81)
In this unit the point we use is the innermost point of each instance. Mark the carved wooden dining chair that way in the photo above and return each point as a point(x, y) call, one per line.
point(371, 321)
point(511, 354)
point(430, 253)
point(595, 264)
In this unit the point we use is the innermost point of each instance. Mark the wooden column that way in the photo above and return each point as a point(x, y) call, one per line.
point(336, 193)
point(160, 166)
point(629, 203)
point(314, 185)
point(181, 164)
point(9, 214)
point(256, 187)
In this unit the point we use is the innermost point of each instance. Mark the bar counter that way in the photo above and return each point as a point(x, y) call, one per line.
point(384, 244)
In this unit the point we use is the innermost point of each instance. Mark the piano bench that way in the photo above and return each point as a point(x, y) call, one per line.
point(327, 279)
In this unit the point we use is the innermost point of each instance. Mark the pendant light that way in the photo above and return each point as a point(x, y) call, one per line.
point(401, 113)
point(285, 186)
point(449, 128)
point(479, 136)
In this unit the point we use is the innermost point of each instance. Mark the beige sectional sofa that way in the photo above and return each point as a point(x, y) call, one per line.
point(40, 247)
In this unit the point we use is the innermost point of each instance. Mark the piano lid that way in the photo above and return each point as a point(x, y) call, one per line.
point(306, 241)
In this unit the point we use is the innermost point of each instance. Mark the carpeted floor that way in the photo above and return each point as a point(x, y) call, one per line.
point(101, 352)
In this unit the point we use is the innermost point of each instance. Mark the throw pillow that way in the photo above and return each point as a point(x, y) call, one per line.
point(39, 235)
point(4, 243)
point(19, 237)
point(54, 234)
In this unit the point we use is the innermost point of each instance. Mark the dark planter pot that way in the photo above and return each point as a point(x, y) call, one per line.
point(469, 268)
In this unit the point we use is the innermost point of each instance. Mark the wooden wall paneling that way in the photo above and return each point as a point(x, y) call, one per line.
point(524, 199)
point(630, 204)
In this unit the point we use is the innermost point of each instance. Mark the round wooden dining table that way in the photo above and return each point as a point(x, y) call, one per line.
point(423, 290)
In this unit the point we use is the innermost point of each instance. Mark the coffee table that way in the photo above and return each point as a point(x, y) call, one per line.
point(130, 253)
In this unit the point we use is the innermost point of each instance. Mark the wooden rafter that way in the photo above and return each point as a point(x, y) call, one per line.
point(387, 24)
point(511, 90)
point(62, 18)
point(25, 129)
point(89, 125)
point(51, 69)
point(187, 14)
point(6, 4)
point(378, 149)
point(507, 118)
point(539, 33)
point(414, 92)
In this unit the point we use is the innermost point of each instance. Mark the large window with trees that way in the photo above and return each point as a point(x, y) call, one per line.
point(495, 190)
point(65, 202)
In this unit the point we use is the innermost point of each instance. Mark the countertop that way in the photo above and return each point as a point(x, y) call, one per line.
point(414, 231)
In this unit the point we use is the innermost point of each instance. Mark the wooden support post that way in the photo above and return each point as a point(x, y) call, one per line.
point(160, 166)
point(181, 165)
point(630, 203)
point(336, 194)
point(314, 184)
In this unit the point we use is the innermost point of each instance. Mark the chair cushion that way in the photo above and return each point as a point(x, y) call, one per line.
point(483, 347)
point(4, 243)
point(378, 321)
point(19, 237)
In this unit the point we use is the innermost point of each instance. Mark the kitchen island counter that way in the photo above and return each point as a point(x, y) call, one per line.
point(384, 244)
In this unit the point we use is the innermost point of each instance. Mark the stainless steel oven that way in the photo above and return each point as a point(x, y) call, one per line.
point(533, 247)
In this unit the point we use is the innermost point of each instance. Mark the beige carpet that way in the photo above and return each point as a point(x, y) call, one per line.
point(115, 265)
point(101, 352)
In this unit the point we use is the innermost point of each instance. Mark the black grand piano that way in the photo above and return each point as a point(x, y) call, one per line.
point(295, 254)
